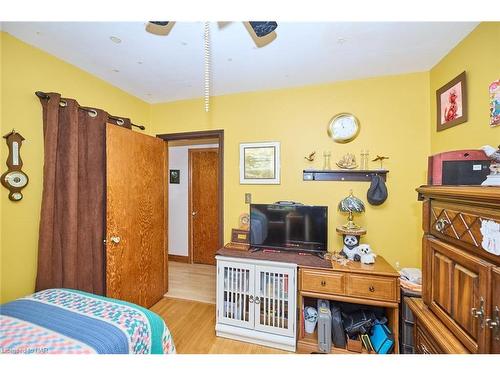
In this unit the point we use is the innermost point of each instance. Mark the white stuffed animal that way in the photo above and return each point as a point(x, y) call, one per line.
point(366, 254)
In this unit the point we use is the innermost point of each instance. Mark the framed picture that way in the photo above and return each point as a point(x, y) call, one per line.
point(175, 176)
point(451, 100)
point(240, 236)
point(495, 103)
point(260, 163)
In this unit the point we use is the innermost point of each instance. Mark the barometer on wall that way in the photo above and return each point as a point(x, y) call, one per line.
point(14, 178)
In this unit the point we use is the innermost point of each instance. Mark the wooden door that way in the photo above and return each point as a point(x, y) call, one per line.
point(204, 204)
point(460, 283)
point(136, 226)
point(494, 324)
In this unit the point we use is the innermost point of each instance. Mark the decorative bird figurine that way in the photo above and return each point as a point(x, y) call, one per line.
point(311, 156)
point(381, 160)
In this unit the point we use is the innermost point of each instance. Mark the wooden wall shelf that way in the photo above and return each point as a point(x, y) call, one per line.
point(343, 174)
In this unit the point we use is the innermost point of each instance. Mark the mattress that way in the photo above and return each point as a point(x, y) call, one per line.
point(66, 321)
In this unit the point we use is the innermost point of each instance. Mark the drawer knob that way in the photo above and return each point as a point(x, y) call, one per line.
point(323, 283)
point(441, 224)
point(371, 288)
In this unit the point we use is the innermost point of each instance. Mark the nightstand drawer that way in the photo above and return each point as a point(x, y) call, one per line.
point(373, 287)
point(322, 282)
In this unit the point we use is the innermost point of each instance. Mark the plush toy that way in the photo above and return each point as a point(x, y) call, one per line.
point(366, 254)
point(350, 245)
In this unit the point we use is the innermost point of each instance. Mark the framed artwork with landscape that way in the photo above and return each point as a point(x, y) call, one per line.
point(260, 163)
point(451, 100)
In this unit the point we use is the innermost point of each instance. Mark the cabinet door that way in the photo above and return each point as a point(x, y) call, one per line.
point(495, 313)
point(235, 289)
point(459, 284)
point(275, 300)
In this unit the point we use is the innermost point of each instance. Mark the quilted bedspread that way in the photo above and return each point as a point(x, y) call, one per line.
point(58, 321)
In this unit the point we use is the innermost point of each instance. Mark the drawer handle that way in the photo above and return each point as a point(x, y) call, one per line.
point(494, 323)
point(441, 224)
point(323, 283)
point(479, 313)
point(371, 288)
point(250, 299)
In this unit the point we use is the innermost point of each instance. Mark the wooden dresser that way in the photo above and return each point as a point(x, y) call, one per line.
point(376, 285)
point(459, 312)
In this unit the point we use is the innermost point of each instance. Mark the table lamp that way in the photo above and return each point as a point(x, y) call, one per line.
point(351, 204)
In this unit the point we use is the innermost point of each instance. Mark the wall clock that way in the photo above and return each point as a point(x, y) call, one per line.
point(343, 127)
point(14, 179)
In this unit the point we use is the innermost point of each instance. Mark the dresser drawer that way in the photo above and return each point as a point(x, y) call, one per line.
point(461, 224)
point(373, 287)
point(424, 343)
point(322, 282)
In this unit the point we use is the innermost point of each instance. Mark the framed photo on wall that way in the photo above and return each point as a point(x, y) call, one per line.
point(451, 100)
point(495, 103)
point(175, 176)
point(260, 163)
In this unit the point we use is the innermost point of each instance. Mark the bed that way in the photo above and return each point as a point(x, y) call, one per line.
point(66, 321)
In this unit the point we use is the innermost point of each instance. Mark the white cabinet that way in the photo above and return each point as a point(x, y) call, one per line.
point(256, 301)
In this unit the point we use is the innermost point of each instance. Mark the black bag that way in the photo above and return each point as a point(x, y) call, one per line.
point(360, 321)
point(338, 335)
point(377, 193)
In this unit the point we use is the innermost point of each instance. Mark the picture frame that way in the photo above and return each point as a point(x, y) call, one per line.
point(451, 100)
point(175, 176)
point(260, 163)
point(240, 236)
point(494, 92)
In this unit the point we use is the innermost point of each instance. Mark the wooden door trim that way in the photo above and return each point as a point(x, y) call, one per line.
point(219, 134)
point(192, 151)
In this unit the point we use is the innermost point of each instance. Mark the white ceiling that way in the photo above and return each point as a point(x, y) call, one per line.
point(167, 68)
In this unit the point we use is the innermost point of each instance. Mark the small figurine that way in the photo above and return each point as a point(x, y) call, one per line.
point(350, 245)
point(365, 253)
point(326, 162)
point(493, 179)
point(311, 156)
point(381, 160)
point(348, 161)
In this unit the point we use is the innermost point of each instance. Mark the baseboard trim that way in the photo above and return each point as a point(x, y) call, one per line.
point(178, 258)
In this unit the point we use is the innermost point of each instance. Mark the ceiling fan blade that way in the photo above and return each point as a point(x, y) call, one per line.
point(266, 33)
point(159, 27)
point(263, 28)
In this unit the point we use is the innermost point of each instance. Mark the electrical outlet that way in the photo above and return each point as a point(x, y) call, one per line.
point(248, 198)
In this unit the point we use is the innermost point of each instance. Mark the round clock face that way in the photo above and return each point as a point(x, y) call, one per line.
point(343, 128)
point(16, 179)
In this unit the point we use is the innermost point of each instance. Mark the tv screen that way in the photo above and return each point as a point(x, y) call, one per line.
point(290, 227)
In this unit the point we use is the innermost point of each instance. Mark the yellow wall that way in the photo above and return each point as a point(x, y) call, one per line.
point(24, 70)
point(479, 56)
point(394, 122)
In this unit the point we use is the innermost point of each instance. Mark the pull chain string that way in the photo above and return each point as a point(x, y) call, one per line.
point(207, 66)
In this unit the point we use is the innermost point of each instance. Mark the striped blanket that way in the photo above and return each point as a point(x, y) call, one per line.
point(58, 321)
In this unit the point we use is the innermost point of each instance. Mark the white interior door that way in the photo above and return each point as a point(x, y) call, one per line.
point(235, 290)
point(274, 300)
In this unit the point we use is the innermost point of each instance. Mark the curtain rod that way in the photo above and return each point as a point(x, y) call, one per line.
point(43, 95)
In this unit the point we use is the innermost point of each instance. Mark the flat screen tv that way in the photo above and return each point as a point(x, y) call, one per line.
point(289, 227)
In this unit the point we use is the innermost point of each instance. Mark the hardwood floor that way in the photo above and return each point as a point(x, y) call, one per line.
point(192, 325)
point(194, 282)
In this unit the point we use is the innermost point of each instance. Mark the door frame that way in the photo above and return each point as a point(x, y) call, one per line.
point(206, 134)
point(190, 198)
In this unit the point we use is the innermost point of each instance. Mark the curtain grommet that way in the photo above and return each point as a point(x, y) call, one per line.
point(92, 113)
point(63, 103)
point(120, 121)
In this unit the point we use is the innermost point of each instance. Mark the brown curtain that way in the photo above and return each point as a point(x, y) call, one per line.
point(72, 219)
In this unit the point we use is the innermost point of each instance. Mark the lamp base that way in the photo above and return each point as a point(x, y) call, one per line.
point(358, 231)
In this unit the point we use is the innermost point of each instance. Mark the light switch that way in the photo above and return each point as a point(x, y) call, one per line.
point(248, 198)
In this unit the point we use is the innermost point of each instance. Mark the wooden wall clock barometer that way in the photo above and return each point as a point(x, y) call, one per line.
point(14, 179)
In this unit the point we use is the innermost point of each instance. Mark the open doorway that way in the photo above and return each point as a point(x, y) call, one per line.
point(195, 212)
